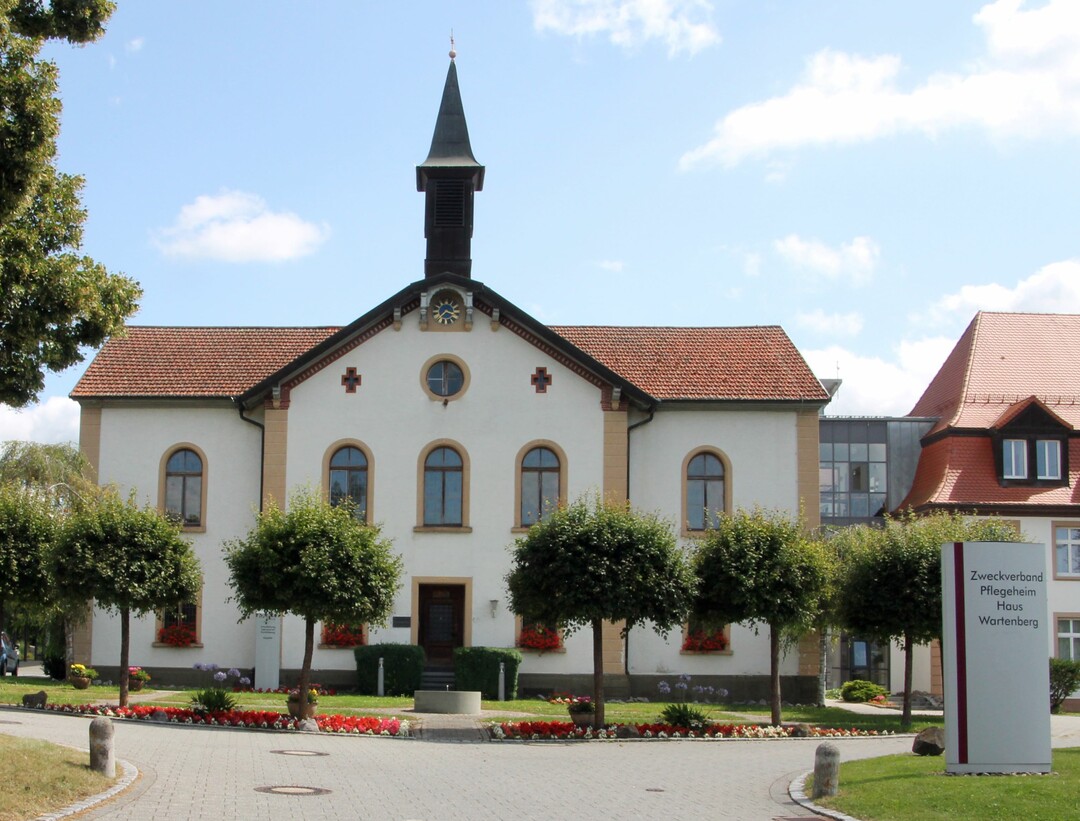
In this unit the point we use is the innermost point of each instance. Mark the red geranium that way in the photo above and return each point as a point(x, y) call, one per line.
point(538, 637)
point(698, 641)
point(178, 635)
point(343, 635)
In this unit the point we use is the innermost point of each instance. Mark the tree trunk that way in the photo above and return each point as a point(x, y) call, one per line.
point(905, 719)
point(305, 668)
point(823, 666)
point(598, 672)
point(125, 649)
point(774, 662)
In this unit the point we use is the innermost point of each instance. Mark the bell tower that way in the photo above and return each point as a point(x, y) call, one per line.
point(449, 177)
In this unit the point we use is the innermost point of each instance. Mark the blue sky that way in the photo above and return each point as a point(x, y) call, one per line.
point(867, 175)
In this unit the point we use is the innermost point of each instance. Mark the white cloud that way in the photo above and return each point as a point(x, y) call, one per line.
point(235, 226)
point(1054, 288)
point(833, 324)
point(55, 420)
point(614, 265)
point(682, 25)
point(752, 264)
point(854, 261)
point(1027, 84)
point(135, 44)
point(875, 387)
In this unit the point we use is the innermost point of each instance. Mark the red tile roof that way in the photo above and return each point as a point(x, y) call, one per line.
point(959, 470)
point(749, 363)
point(1002, 359)
point(758, 363)
point(192, 362)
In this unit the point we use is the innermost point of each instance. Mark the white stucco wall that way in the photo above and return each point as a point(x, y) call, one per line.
point(133, 441)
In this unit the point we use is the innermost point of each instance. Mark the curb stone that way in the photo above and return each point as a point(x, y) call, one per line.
point(798, 795)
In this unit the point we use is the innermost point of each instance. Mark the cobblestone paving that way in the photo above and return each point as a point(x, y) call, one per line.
point(197, 773)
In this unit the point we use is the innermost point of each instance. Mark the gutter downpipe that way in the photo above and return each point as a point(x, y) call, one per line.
point(262, 447)
point(638, 424)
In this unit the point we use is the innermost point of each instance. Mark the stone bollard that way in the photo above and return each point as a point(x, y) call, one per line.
point(101, 747)
point(826, 770)
point(380, 688)
point(502, 681)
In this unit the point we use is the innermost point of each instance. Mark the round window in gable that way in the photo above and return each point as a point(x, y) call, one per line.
point(445, 379)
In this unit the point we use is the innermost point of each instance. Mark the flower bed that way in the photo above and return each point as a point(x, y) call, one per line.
point(259, 719)
point(538, 730)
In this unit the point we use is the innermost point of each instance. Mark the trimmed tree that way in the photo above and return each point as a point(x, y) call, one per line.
point(27, 531)
point(592, 562)
point(758, 567)
point(892, 581)
point(131, 560)
point(317, 561)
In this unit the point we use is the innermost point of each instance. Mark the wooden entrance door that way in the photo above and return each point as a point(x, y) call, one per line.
point(442, 622)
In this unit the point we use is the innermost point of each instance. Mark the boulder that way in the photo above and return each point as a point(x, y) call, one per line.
point(800, 730)
point(626, 731)
point(37, 699)
point(930, 741)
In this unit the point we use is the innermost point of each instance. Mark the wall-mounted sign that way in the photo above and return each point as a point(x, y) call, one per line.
point(995, 654)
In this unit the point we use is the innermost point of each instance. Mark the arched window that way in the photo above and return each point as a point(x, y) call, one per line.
point(184, 488)
point(349, 479)
point(704, 491)
point(539, 485)
point(443, 488)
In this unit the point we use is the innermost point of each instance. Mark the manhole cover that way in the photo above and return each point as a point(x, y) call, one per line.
point(297, 752)
point(293, 790)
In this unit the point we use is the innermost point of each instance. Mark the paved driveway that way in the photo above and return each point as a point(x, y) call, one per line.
point(196, 773)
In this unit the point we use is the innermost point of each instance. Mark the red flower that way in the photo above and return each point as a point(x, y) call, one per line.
point(538, 637)
point(343, 635)
point(698, 641)
point(178, 635)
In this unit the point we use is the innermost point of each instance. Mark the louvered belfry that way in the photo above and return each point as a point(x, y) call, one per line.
point(449, 177)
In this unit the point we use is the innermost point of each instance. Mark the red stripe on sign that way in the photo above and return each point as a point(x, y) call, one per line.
point(961, 654)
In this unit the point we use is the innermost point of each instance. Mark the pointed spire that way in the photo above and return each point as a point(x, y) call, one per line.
point(449, 177)
point(450, 145)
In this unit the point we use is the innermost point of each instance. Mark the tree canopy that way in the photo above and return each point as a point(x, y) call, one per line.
point(27, 531)
point(891, 586)
point(592, 562)
point(54, 471)
point(757, 566)
point(315, 560)
point(53, 301)
point(129, 559)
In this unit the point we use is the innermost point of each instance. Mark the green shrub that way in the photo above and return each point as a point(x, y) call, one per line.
point(683, 715)
point(213, 700)
point(477, 668)
point(1064, 681)
point(858, 690)
point(403, 665)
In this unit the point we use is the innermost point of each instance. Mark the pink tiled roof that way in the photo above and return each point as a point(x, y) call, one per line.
point(1002, 359)
point(701, 363)
point(193, 362)
point(960, 470)
point(758, 363)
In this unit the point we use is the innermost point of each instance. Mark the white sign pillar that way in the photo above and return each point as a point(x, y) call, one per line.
point(995, 654)
point(267, 652)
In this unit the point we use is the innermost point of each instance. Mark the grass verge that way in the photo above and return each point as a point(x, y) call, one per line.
point(903, 787)
point(39, 777)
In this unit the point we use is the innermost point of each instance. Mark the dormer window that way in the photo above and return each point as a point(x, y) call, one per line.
point(1047, 459)
point(1014, 459)
point(1030, 445)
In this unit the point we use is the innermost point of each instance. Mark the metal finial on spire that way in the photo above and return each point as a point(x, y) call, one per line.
point(453, 53)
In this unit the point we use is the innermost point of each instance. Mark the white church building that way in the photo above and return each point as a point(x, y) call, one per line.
point(453, 419)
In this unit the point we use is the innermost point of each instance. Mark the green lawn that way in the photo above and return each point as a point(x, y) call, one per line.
point(12, 690)
point(905, 787)
point(39, 778)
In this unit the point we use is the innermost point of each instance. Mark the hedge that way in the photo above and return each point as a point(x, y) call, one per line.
point(477, 668)
point(403, 666)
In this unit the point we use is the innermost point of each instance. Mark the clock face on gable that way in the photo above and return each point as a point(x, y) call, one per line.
point(445, 309)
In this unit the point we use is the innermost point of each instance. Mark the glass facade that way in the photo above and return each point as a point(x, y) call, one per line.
point(853, 473)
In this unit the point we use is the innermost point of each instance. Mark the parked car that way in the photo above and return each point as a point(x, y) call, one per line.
point(9, 655)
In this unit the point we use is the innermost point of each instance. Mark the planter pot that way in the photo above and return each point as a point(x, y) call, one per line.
point(79, 682)
point(134, 685)
point(583, 719)
point(294, 709)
